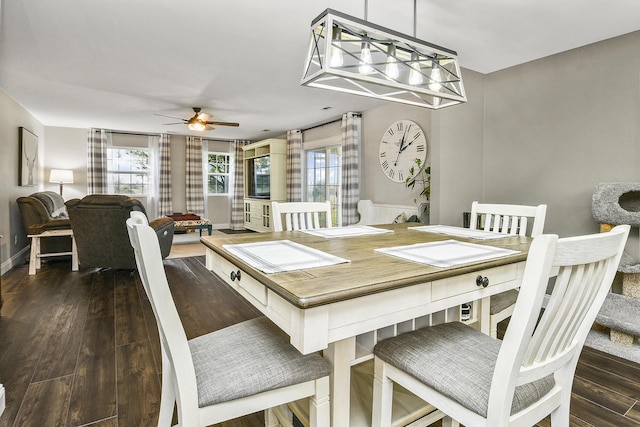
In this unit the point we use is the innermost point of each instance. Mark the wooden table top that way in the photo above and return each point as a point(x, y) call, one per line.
point(368, 272)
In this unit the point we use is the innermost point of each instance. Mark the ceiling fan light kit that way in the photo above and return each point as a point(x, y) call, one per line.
point(352, 55)
point(200, 121)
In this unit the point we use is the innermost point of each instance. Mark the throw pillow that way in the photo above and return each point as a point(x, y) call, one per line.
point(400, 218)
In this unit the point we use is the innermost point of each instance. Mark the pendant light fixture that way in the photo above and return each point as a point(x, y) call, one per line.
point(380, 63)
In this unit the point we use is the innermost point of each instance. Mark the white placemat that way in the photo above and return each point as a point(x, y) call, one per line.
point(447, 253)
point(460, 232)
point(348, 231)
point(282, 255)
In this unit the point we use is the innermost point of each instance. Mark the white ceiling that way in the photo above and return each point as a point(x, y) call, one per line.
point(116, 63)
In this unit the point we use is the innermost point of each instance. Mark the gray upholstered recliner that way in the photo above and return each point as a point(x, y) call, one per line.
point(99, 227)
point(44, 211)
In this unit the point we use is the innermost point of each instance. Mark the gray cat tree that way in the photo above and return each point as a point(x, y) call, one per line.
point(614, 204)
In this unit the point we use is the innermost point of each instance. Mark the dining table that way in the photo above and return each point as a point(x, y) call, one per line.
point(341, 290)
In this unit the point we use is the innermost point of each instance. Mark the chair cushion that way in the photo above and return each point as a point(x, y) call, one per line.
point(457, 361)
point(503, 300)
point(249, 358)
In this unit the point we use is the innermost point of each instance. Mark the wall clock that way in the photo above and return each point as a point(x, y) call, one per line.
point(402, 143)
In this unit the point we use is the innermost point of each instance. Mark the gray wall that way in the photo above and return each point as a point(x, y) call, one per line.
point(66, 148)
point(558, 126)
point(12, 117)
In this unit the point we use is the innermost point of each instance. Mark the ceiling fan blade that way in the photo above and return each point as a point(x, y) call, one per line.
point(223, 124)
point(166, 124)
point(208, 127)
point(171, 117)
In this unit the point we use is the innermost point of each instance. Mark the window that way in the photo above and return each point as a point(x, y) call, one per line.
point(128, 170)
point(218, 173)
point(324, 178)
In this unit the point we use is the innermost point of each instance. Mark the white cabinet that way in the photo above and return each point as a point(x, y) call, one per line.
point(265, 180)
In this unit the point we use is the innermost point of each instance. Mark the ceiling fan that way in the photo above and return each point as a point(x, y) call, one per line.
point(199, 122)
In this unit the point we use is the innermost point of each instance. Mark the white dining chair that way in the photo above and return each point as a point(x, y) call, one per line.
point(301, 215)
point(477, 380)
point(235, 371)
point(520, 220)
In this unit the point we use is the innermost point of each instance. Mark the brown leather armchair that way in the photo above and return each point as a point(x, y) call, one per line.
point(99, 227)
point(44, 211)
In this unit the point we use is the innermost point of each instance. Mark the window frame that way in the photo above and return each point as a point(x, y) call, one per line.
point(228, 174)
point(148, 172)
point(325, 145)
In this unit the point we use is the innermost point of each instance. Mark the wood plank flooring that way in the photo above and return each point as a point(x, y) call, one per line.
point(82, 349)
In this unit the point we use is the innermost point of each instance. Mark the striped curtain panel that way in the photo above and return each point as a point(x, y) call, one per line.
point(351, 135)
point(237, 195)
point(165, 201)
point(294, 166)
point(194, 178)
point(97, 161)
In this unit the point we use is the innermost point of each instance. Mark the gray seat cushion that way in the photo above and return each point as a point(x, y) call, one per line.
point(249, 358)
point(457, 361)
point(503, 300)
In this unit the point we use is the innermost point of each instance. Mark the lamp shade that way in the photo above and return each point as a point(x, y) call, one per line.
point(61, 176)
point(347, 54)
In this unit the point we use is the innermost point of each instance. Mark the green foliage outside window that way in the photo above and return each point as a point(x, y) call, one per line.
point(128, 171)
point(218, 172)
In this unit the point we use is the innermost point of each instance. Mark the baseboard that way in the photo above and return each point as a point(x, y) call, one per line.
point(17, 259)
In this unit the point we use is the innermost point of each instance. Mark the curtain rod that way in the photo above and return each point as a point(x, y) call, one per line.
point(328, 123)
point(123, 132)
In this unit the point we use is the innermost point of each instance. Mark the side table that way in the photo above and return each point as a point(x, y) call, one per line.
point(36, 256)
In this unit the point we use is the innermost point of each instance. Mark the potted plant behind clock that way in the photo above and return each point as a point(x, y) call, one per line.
point(420, 174)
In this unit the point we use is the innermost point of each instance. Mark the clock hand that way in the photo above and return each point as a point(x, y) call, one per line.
point(402, 147)
point(407, 146)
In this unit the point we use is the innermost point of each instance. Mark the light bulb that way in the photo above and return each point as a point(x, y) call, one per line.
point(391, 69)
point(365, 60)
point(436, 78)
point(415, 76)
point(336, 50)
point(197, 126)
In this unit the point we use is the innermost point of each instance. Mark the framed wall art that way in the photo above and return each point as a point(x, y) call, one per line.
point(28, 158)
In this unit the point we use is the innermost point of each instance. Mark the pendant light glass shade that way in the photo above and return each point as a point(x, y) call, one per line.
point(391, 69)
point(380, 63)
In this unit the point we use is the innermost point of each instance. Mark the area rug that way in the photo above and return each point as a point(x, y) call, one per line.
point(230, 231)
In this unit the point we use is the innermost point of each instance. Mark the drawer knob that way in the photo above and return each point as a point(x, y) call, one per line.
point(235, 275)
point(482, 281)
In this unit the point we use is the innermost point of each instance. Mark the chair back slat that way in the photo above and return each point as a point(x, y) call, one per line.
point(508, 219)
point(536, 346)
point(300, 215)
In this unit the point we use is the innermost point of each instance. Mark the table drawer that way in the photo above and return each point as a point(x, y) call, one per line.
point(464, 283)
point(246, 282)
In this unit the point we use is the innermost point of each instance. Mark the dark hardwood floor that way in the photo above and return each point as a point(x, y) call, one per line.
point(82, 349)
